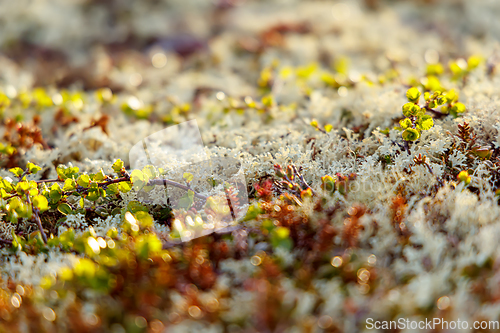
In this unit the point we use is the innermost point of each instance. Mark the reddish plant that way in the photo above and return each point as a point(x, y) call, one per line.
point(350, 232)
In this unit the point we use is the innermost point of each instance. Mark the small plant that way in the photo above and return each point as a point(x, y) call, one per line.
point(328, 127)
point(75, 192)
point(464, 177)
point(293, 182)
point(19, 137)
point(416, 119)
point(337, 183)
point(468, 144)
point(462, 68)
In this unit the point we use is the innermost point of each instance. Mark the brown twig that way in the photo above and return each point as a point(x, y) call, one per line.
point(49, 181)
point(407, 147)
point(164, 182)
point(302, 180)
point(37, 219)
point(152, 182)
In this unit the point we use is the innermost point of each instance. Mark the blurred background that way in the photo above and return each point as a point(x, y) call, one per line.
point(65, 42)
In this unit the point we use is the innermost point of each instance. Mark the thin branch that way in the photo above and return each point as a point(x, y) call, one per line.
point(429, 168)
point(49, 181)
point(398, 144)
point(152, 182)
point(321, 130)
point(290, 182)
point(114, 181)
point(37, 219)
point(407, 147)
point(156, 182)
point(302, 180)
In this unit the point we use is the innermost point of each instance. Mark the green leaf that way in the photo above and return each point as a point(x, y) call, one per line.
point(112, 188)
point(474, 61)
point(69, 185)
point(99, 176)
point(328, 183)
point(55, 196)
point(32, 168)
point(280, 237)
point(17, 241)
point(253, 212)
point(146, 244)
point(426, 122)
point(463, 176)
point(117, 166)
point(148, 188)
point(482, 152)
point(61, 172)
point(458, 108)
point(41, 203)
point(93, 195)
point(188, 177)
point(186, 201)
point(124, 187)
point(85, 268)
point(145, 220)
point(65, 209)
point(33, 190)
point(136, 206)
point(13, 219)
point(64, 172)
point(452, 96)
point(19, 208)
point(22, 187)
point(83, 180)
point(17, 171)
point(267, 100)
point(410, 109)
point(102, 211)
point(7, 185)
point(411, 134)
point(435, 69)
point(432, 83)
point(405, 123)
point(150, 172)
point(442, 100)
point(413, 95)
point(307, 193)
point(139, 179)
point(55, 187)
point(14, 203)
point(35, 239)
